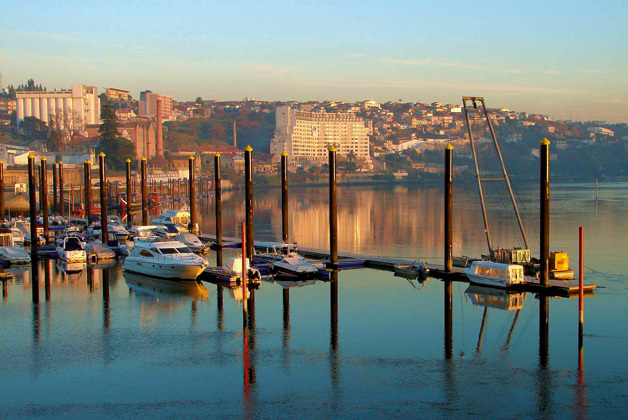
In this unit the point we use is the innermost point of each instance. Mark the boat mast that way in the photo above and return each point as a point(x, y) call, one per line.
point(506, 178)
point(477, 170)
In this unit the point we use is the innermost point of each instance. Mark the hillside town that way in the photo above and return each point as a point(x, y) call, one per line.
point(397, 139)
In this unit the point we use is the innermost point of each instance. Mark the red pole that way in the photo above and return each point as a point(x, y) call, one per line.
point(581, 284)
point(243, 278)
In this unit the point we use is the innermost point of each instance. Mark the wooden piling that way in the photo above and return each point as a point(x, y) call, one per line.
point(71, 206)
point(32, 198)
point(544, 213)
point(144, 192)
point(243, 278)
point(218, 204)
point(129, 193)
point(192, 189)
point(88, 191)
point(449, 169)
point(1, 190)
point(103, 199)
point(248, 179)
point(55, 203)
point(333, 210)
point(284, 196)
point(61, 209)
point(43, 198)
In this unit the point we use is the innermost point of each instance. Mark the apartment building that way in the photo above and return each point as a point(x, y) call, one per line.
point(307, 136)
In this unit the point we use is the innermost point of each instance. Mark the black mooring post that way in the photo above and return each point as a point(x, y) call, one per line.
point(449, 169)
point(192, 191)
point(43, 198)
point(32, 198)
point(129, 193)
point(55, 203)
point(545, 215)
point(218, 199)
point(87, 168)
point(447, 284)
point(1, 190)
point(248, 177)
point(61, 208)
point(284, 196)
point(144, 193)
point(103, 199)
point(333, 210)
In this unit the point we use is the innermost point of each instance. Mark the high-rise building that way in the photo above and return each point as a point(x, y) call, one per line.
point(307, 136)
point(80, 103)
point(148, 104)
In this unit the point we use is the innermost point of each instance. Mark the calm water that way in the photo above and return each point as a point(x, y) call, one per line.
point(370, 345)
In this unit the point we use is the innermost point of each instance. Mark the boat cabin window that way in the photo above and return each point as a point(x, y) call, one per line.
point(166, 251)
point(488, 272)
point(73, 244)
point(502, 274)
point(184, 250)
point(145, 253)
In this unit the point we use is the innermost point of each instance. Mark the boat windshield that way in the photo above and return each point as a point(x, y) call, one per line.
point(184, 250)
point(73, 244)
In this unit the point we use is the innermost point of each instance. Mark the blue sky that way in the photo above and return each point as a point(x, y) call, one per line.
point(563, 58)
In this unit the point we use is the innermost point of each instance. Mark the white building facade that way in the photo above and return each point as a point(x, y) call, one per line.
point(307, 136)
point(81, 101)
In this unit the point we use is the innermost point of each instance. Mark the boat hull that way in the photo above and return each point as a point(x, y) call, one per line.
point(162, 269)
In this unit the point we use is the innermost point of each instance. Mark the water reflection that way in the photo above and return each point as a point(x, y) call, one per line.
point(333, 334)
point(491, 297)
point(161, 294)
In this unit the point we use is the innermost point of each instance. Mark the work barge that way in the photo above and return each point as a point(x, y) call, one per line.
point(332, 259)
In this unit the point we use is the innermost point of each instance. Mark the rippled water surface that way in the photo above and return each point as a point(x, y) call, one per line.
point(103, 344)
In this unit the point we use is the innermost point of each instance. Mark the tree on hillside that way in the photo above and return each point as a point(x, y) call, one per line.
point(34, 128)
point(115, 147)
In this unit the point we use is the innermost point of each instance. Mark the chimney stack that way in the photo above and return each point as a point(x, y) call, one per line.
point(235, 143)
point(160, 140)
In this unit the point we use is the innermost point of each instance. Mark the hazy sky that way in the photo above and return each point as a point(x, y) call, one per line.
point(563, 58)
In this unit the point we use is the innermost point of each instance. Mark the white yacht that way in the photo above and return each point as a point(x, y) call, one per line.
point(191, 241)
point(234, 267)
point(178, 218)
point(9, 253)
point(164, 259)
point(71, 249)
point(495, 274)
point(294, 265)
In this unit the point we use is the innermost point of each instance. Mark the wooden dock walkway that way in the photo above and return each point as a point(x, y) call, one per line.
point(563, 288)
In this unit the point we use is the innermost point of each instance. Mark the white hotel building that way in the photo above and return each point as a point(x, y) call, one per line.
point(81, 100)
point(306, 136)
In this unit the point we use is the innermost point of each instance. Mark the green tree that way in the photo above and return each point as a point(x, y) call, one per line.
point(115, 147)
point(34, 128)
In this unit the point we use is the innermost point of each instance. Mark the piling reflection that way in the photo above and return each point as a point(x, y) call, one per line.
point(333, 334)
point(448, 319)
point(105, 301)
point(544, 397)
point(581, 408)
point(47, 279)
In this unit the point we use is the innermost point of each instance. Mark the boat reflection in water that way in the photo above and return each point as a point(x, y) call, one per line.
point(288, 282)
point(71, 269)
point(165, 291)
point(496, 298)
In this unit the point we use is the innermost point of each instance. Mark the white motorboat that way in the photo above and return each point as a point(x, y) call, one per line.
point(164, 259)
point(9, 253)
point(191, 241)
point(234, 267)
point(294, 265)
point(495, 274)
point(417, 269)
point(18, 236)
point(119, 231)
point(178, 218)
point(71, 249)
point(99, 252)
